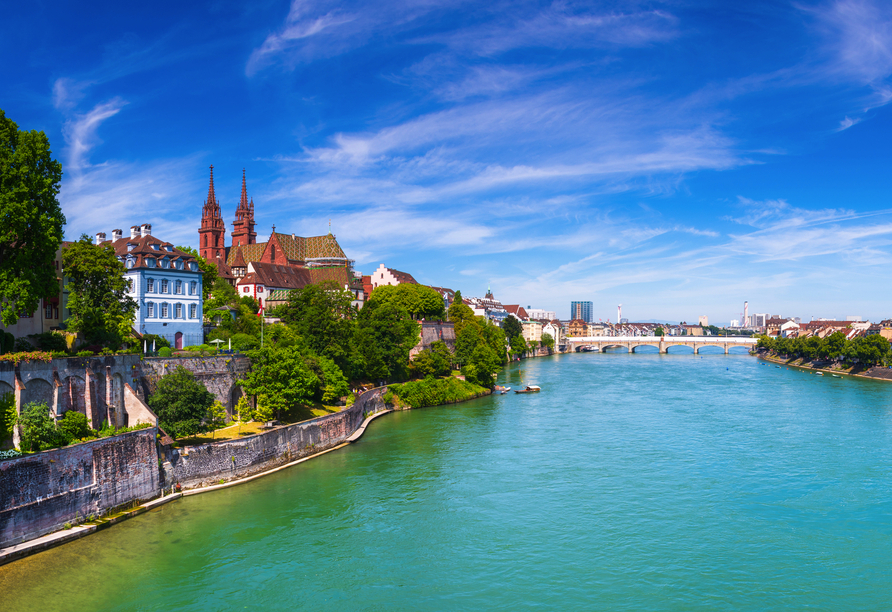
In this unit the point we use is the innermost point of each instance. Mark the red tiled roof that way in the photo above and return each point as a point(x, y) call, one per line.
point(142, 249)
point(403, 277)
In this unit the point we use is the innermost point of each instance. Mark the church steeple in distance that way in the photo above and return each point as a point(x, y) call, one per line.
point(243, 227)
point(212, 234)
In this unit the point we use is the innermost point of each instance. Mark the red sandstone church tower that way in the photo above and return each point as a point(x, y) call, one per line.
point(212, 234)
point(243, 227)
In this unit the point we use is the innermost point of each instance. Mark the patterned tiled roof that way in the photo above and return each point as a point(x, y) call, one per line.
point(248, 252)
point(298, 248)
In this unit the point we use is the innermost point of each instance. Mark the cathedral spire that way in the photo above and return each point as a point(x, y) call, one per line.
point(243, 227)
point(211, 205)
point(243, 203)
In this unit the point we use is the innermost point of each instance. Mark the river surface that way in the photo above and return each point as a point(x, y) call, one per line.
point(631, 482)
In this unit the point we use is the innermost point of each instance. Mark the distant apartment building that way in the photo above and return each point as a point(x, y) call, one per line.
point(532, 331)
point(540, 315)
point(488, 307)
point(581, 310)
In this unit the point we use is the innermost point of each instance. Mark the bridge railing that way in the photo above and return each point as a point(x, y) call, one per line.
point(666, 339)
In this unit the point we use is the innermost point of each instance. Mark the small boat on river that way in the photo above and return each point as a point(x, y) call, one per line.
point(529, 389)
point(502, 390)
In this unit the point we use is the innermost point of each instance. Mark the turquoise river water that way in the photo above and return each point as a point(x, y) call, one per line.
point(631, 482)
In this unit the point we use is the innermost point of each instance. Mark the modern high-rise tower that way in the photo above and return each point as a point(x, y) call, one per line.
point(581, 310)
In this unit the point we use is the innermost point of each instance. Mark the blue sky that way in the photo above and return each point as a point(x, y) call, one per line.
point(676, 157)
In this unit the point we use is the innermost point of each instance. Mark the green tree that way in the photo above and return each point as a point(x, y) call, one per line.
point(385, 334)
point(466, 342)
point(833, 347)
point(209, 273)
point(658, 332)
point(216, 416)
point(495, 339)
point(31, 226)
point(433, 361)
point(333, 384)
point(181, 402)
point(548, 340)
point(512, 327)
point(279, 378)
point(74, 426)
point(7, 416)
point(323, 316)
point(98, 300)
point(420, 301)
point(482, 366)
point(38, 429)
point(459, 314)
point(221, 294)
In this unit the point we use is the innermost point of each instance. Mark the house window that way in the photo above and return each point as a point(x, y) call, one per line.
point(179, 287)
point(164, 311)
point(246, 290)
point(259, 288)
point(150, 285)
point(165, 263)
point(151, 307)
point(193, 311)
point(179, 311)
point(48, 311)
point(179, 264)
point(150, 261)
point(130, 285)
point(193, 288)
point(163, 285)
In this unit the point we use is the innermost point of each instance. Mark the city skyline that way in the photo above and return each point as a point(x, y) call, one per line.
point(675, 159)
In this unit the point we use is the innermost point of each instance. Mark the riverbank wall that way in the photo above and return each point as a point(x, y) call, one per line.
point(874, 373)
point(224, 461)
point(41, 493)
point(219, 374)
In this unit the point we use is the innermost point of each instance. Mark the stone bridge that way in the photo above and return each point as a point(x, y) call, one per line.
point(662, 343)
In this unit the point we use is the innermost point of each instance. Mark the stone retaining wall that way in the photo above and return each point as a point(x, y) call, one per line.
point(219, 374)
point(40, 493)
point(207, 464)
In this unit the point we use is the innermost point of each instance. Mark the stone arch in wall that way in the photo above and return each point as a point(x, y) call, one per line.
point(5, 388)
point(235, 393)
point(38, 390)
point(73, 395)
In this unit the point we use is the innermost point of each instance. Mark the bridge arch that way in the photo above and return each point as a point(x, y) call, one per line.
point(682, 345)
point(647, 345)
point(608, 347)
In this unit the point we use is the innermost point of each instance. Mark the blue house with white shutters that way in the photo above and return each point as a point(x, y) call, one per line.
point(165, 283)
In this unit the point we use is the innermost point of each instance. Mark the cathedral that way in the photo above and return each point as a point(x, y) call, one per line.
point(283, 262)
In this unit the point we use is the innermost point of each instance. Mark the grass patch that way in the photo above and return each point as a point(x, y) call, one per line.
point(232, 432)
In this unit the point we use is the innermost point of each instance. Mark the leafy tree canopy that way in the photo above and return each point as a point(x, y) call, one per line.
point(512, 327)
point(420, 301)
point(385, 334)
point(30, 220)
point(279, 378)
point(322, 314)
point(180, 398)
point(98, 300)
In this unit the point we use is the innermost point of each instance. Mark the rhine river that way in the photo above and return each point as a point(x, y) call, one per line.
point(631, 482)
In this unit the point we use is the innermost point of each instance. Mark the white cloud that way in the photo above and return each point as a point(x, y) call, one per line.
point(80, 133)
